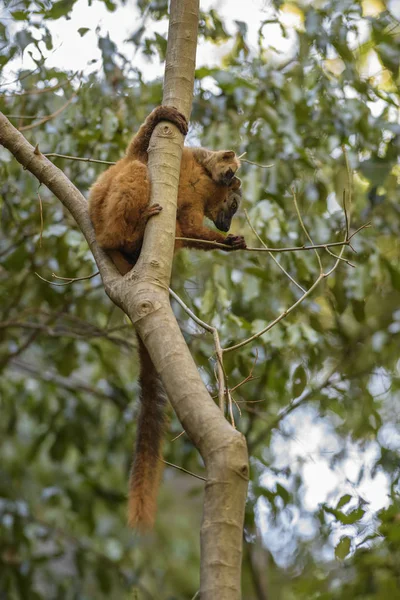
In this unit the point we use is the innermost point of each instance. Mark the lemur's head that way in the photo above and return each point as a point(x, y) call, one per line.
point(222, 166)
point(222, 213)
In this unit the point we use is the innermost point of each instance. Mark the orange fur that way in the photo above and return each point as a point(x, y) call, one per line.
point(119, 209)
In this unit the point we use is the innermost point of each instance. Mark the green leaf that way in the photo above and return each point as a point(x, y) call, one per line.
point(353, 516)
point(60, 9)
point(299, 381)
point(83, 30)
point(343, 548)
point(161, 43)
point(343, 501)
point(283, 493)
point(20, 15)
point(359, 310)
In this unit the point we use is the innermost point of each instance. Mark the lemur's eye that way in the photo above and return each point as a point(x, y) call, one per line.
point(234, 205)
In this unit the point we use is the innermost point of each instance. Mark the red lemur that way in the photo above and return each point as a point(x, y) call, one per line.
point(119, 209)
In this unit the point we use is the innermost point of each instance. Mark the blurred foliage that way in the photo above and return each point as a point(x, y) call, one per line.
point(321, 413)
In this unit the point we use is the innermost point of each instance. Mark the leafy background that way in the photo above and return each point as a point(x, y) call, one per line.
point(321, 414)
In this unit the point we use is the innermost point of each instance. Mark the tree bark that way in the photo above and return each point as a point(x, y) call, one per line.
point(143, 296)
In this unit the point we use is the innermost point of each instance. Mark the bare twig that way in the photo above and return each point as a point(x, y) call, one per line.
point(178, 436)
point(68, 281)
point(365, 226)
point(4, 361)
point(67, 383)
point(48, 117)
point(305, 229)
point(345, 215)
point(41, 218)
point(303, 399)
point(340, 258)
point(271, 254)
point(254, 163)
point(183, 470)
point(36, 91)
point(220, 375)
point(93, 160)
point(191, 314)
point(276, 250)
point(278, 319)
point(245, 380)
point(72, 279)
point(20, 78)
point(21, 116)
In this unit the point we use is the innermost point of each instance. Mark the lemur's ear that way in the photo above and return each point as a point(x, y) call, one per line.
point(229, 154)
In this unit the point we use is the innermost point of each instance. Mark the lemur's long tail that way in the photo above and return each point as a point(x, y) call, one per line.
point(147, 467)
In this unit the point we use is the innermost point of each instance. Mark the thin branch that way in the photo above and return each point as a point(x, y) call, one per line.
point(68, 280)
point(69, 538)
point(21, 116)
point(183, 470)
point(249, 376)
point(191, 314)
point(245, 380)
point(366, 226)
point(294, 405)
point(18, 243)
point(178, 436)
point(9, 357)
point(254, 163)
point(345, 216)
point(48, 117)
point(72, 279)
point(85, 331)
point(305, 229)
point(41, 218)
point(340, 258)
point(30, 339)
point(220, 375)
point(68, 383)
point(20, 78)
point(230, 405)
point(93, 160)
point(278, 319)
point(36, 92)
point(270, 253)
point(286, 249)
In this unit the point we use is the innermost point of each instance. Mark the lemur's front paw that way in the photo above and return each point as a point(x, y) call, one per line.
point(236, 242)
point(170, 113)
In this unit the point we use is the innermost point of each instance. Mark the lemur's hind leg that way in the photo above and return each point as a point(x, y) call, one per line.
point(125, 212)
